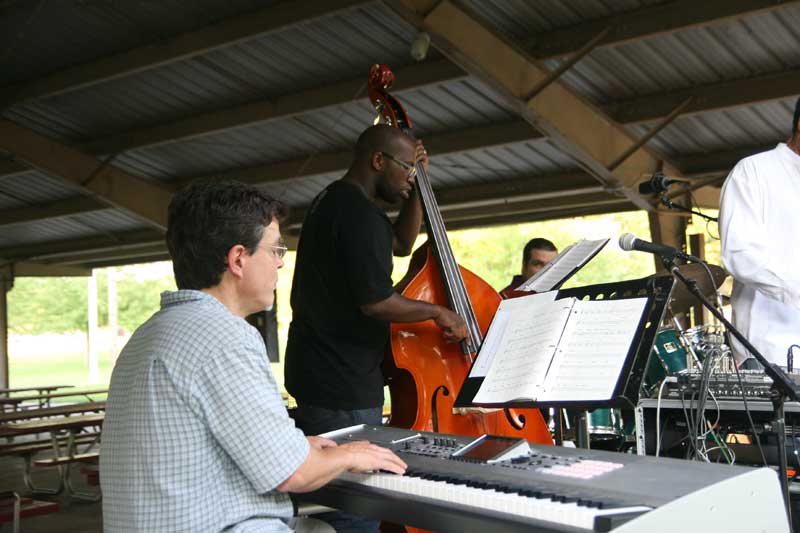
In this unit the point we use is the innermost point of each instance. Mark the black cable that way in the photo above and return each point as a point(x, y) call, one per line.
point(705, 381)
point(746, 407)
point(790, 357)
point(727, 338)
point(690, 426)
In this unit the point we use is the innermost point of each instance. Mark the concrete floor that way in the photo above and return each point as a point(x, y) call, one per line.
point(74, 516)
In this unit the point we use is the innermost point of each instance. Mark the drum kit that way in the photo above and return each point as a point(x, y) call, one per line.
point(675, 350)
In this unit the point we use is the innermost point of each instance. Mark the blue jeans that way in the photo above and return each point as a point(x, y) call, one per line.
point(314, 420)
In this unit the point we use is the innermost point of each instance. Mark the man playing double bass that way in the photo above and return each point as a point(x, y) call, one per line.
point(343, 299)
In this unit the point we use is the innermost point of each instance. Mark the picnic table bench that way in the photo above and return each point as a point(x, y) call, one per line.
point(41, 389)
point(47, 412)
point(51, 395)
point(12, 508)
point(5, 393)
point(65, 448)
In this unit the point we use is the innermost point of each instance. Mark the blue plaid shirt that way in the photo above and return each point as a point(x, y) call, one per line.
point(196, 436)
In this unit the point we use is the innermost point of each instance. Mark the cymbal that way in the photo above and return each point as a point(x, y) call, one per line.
point(681, 299)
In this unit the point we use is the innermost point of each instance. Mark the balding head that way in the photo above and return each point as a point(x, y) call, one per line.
point(381, 138)
point(381, 161)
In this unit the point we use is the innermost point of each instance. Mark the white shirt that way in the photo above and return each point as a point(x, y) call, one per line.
point(759, 225)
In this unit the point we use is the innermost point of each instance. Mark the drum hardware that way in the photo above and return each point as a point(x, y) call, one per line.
point(608, 429)
point(677, 353)
point(681, 299)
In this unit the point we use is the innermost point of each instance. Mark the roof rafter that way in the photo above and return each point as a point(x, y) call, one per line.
point(51, 210)
point(533, 216)
point(718, 163)
point(51, 250)
point(183, 46)
point(438, 144)
point(578, 128)
point(10, 168)
point(650, 107)
point(645, 23)
point(553, 187)
point(306, 101)
point(578, 201)
point(557, 188)
point(111, 185)
point(21, 270)
point(155, 251)
point(707, 97)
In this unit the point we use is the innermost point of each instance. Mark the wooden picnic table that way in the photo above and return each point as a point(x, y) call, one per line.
point(51, 425)
point(46, 412)
point(15, 400)
point(42, 389)
point(66, 453)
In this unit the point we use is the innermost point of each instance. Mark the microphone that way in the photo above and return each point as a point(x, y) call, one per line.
point(630, 242)
point(657, 184)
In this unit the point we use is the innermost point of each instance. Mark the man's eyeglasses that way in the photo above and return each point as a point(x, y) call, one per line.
point(278, 250)
point(409, 168)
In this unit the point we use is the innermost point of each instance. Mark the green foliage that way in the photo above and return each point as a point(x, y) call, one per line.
point(495, 254)
point(56, 305)
point(138, 299)
point(39, 305)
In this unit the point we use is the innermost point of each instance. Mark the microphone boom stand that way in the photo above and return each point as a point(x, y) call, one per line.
point(783, 387)
point(667, 201)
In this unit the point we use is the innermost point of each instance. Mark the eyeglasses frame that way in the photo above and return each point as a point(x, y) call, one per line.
point(411, 170)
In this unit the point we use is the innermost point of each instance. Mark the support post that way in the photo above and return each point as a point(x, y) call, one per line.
point(670, 229)
point(6, 284)
point(91, 334)
point(697, 247)
point(113, 316)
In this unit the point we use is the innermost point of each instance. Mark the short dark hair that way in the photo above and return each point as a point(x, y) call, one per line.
point(796, 117)
point(536, 244)
point(206, 220)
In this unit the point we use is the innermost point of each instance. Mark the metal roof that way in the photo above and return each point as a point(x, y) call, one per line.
point(84, 30)
point(63, 75)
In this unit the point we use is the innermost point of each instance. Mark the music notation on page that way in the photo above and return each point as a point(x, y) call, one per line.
point(557, 350)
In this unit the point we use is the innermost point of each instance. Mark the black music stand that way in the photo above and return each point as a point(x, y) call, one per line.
point(626, 393)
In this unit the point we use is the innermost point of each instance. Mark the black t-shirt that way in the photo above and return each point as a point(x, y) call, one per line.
point(344, 260)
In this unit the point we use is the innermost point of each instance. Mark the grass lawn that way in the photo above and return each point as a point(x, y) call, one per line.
point(59, 369)
point(61, 360)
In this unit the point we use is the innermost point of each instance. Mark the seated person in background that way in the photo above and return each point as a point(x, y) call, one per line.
point(196, 436)
point(536, 254)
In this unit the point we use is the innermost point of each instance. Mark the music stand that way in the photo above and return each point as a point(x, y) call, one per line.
point(626, 392)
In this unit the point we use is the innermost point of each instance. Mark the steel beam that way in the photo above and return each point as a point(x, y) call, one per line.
point(571, 123)
point(111, 185)
point(186, 45)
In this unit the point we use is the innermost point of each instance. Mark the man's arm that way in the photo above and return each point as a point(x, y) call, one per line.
point(748, 252)
point(406, 227)
point(397, 308)
point(326, 460)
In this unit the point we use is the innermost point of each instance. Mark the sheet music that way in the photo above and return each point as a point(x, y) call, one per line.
point(522, 347)
point(497, 328)
point(593, 350)
point(561, 268)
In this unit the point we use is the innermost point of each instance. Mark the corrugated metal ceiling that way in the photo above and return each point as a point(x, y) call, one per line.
point(336, 48)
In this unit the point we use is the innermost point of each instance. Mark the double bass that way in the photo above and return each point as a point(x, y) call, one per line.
point(424, 373)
